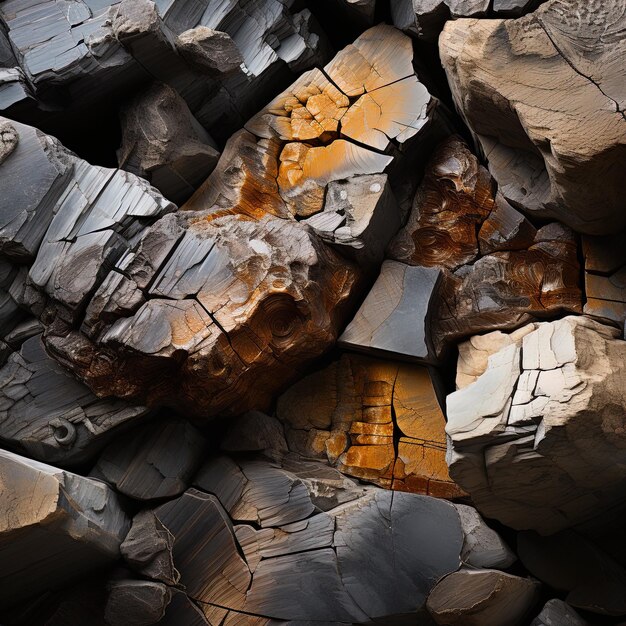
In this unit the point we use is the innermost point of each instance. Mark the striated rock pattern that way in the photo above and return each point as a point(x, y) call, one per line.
point(241, 338)
point(537, 438)
point(554, 152)
point(376, 420)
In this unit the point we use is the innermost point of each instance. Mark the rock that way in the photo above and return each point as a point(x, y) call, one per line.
point(360, 216)
point(536, 440)
point(147, 548)
point(316, 569)
point(50, 415)
point(514, 8)
point(137, 602)
point(8, 140)
point(456, 214)
point(558, 613)
point(482, 547)
point(350, 412)
point(424, 19)
point(395, 318)
point(391, 108)
point(482, 598)
point(239, 351)
point(209, 51)
point(56, 527)
point(569, 563)
point(164, 143)
point(155, 461)
point(605, 259)
point(504, 290)
point(552, 151)
point(255, 432)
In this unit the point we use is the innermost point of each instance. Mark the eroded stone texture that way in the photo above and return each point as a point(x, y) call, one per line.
point(457, 215)
point(138, 602)
point(50, 415)
point(54, 527)
point(554, 152)
point(482, 598)
point(154, 461)
point(210, 51)
point(314, 568)
point(605, 276)
point(376, 420)
point(163, 143)
point(313, 134)
point(537, 439)
point(505, 290)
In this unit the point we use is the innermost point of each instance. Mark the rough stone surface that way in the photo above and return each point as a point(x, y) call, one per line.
point(482, 598)
point(154, 461)
point(554, 152)
point(376, 420)
point(209, 51)
point(537, 438)
point(137, 602)
point(164, 143)
point(558, 613)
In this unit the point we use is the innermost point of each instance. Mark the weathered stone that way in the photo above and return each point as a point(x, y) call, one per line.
point(605, 286)
point(154, 461)
point(456, 214)
point(569, 563)
point(164, 143)
point(255, 432)
point(537, 439)
point(147, 548)
point(558, 613)
point(395, 318)
point(209, 51)
point(50, 415)
point(482, 547)
point(137, 602)
point(360, 216)
point(293, 572)
point(553, 151)
point(55, 527)
point(505, 290)
point(482, 598)
point(350, 412)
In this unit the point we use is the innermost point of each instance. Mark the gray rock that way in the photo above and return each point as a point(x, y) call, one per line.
point(137, 602)
point(50, 415)
point(154, 461)
point(164, 143)
point(482, 598)
point(209, 51)
point(395, 317)
point(147, 549)
point(255, 432)
point(558, 613)
point(55, 527)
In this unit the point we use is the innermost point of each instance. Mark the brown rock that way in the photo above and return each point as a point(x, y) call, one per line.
point(358, 409)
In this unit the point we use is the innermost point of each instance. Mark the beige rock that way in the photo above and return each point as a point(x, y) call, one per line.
point(538, 439)
point(554, 151)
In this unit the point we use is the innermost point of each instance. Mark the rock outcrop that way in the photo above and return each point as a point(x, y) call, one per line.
point(555, 151)
point(537, 438)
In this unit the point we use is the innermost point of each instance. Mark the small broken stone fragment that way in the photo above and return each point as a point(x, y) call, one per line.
point(210, 51)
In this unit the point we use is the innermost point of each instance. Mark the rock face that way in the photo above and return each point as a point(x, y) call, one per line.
point(376, 420)
point(557, 612)
point(55, 527)
point(537, 438)
point(313, 568)
point(554, 152)
point(164, 143)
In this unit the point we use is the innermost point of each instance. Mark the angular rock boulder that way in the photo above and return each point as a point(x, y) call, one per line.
point(555, 152)
point(56, 527)
point(537, 439)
